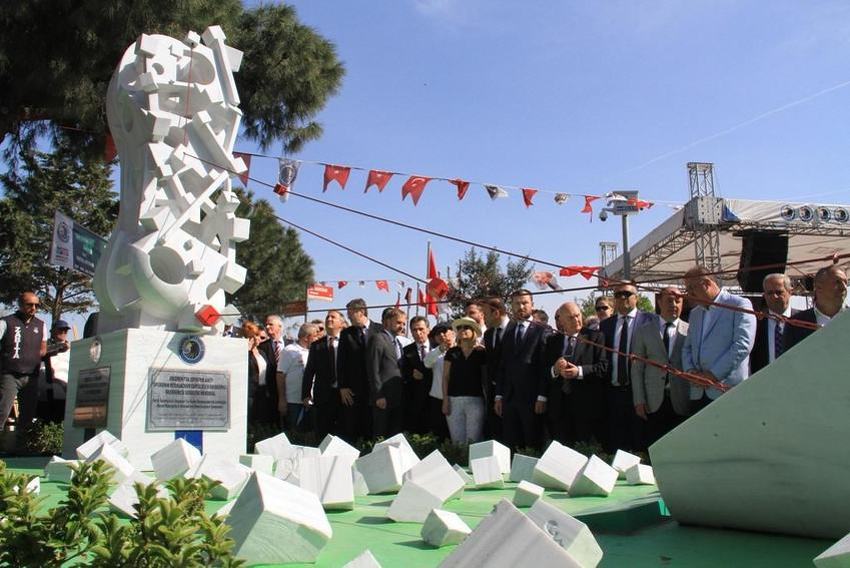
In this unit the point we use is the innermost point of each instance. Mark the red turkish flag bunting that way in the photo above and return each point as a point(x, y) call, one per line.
point(377, 178)
point(414, 187)
point(586, 272)
point(338, 174)
point(588, 208)
point(244, 176)
point(342, 284)
point(432, 265)
point(437, 288)
point(528, 196)
point(640, 204)
point(462, 187)
point(282, 191)
point(382, 285)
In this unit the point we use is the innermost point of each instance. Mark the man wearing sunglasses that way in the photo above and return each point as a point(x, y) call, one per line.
point(23, 342)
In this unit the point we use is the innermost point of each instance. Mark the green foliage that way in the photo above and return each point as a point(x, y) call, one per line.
point(60, 181)
point(168, 532)
point(44, 438)
point(481, 276)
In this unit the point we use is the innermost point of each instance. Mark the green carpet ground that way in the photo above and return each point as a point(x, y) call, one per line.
point(631, 526)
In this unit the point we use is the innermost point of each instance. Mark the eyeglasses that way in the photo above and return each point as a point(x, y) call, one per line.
point(602, 308)
point(623, 294)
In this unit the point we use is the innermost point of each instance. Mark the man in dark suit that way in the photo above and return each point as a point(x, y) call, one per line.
point(769, 345)
point(320, 386)
point(417, 377)
point(383, 369)
point(520, 391)
point(272, 348)
point(575, 367)
point(830, 293)
point(497, 320)
point(625, 431)
point(353, 384)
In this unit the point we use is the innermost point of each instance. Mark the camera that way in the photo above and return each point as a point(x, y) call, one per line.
point(603, 215)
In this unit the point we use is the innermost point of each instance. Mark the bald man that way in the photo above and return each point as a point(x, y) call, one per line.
point(830, 293)
point(575, 368)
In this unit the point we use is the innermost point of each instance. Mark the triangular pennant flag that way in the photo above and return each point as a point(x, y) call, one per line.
point(338, 174)
point(382, 285)
point(640, 204)
point(495, 191)
point(542, 279)
point(588, 208)
point(408, 296)
point(462, 187)
point(361, 283)
point(414, 187)
point(282, 191)
point(561, 198)
point(342, 284)
point(287, 173)
point(246, 159)
point(528, 196)
point(378, 178)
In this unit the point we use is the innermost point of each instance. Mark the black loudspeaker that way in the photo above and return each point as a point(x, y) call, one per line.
point(761, 248)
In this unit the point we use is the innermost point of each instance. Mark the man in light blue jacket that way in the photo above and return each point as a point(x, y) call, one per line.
point(719, 338)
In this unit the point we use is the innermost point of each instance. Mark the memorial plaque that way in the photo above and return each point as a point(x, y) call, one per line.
point(92, 398)
point(184, 399)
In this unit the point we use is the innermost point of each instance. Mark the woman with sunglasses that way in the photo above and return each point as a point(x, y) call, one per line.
point(464, 375)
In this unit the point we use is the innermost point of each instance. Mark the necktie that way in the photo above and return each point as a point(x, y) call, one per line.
point(362, 336)
point(622, 356)
point(422, 353)
point(668, 328)
point(397, 349)
point(520, 331)
point(777, 340)
point(497, 338)
point(570, 348)
point(277, 350)
point(332, 353)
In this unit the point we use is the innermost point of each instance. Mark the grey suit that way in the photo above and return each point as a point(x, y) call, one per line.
point(648, 382)
point(383, 371)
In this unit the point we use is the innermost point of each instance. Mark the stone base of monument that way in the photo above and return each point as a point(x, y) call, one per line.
point(150, 387)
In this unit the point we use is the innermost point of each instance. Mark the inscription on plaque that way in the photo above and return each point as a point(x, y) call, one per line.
point(181, 399)
point(92, 398)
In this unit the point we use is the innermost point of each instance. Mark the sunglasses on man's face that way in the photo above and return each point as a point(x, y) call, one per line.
point(602, 308)
point(624, 294)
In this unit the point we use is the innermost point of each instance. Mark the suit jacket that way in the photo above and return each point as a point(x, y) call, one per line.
point(648, 382)
point(493, 356)
point(410, 361)
point(351, 361)
point(520, 371)
point(794, 334)
point(760, 354)
point(609, 328)
point(383, 370)
point(591, 358)
point(724, 348)
point(267, 347)
point(319, 372)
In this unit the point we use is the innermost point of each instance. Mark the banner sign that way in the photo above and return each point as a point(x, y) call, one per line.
point(320, 292)
point(74, 247)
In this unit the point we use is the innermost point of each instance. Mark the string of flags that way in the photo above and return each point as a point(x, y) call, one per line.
point(415, 185)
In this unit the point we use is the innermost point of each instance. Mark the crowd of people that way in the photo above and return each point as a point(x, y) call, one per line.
point(621, 378)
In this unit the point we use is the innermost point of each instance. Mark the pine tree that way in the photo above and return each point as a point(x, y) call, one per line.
point(481, 276)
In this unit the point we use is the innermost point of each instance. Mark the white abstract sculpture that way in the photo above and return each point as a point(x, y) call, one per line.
point(172, 108)
point(442, 528)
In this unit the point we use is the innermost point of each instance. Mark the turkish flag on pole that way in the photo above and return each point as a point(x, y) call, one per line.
point(422, 300)
point(462, 187)
point(382, 285)
point(338, 174)
point(432, 265)
point(243, 177)
point(528, 196)
point(414, 187)
point(377, 178)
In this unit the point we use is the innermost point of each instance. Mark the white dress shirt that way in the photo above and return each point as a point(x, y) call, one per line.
point(771, 331)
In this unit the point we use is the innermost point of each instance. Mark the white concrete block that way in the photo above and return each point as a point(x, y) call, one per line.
point(413, 503)
point(435, 474)
point(257, 462)
point(381, 469)
point(287, 467)
point(276, 446)
point(406, 453)
point(231, 476)
point(640, 474)
point(275, 522)
point(225, 509)
point(568, 532)
point(58, 469)
point(124, 498)
point(492, 448)
point(336, 446)
point(33, 486)
point(364, 560)
point(487, 473)
point(836, 556)
point(443, 528)
point(558, 467)
point(595, 478)
point(527, 493)
point(467, 479)
point(622, 461)
point(85, 450)
point(175, 459)
point(121, 468)
point(522, 468)
point(329, 478)
point(360, 487)
point(506, 539)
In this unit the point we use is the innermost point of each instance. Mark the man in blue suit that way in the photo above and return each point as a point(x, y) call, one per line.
point(719, 339)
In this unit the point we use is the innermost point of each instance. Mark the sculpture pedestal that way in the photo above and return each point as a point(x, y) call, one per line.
point(146, 393)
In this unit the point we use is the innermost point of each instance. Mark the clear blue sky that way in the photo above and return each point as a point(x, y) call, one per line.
point(564, 96)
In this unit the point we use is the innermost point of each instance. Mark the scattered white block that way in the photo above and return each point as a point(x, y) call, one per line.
point(522, 468)
point(86, 449)
point(408, 456)
point(33, 486)
point(467, 479)
point(435, 474)
point(558, 467)
point(275, 522)
point(486, 473)
point(287, 467)
point(836, 556)
point(58, 469)
point(124, 498)
point(622, 461)
point(175, 459)
point(505, 539)
point(443, 528)
point(121, 468)
point(381, 469)
point(224, 511)
point(413, 503)
point(231, 476)
point(335, 446)
point(527, 493)
point(595, 478)
point(258, 462)
point(276, 446)
point(568, 532)
point(329, 478)
point(360, 487)
point(364, 560)
point(640, 475)
point(492, 448)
